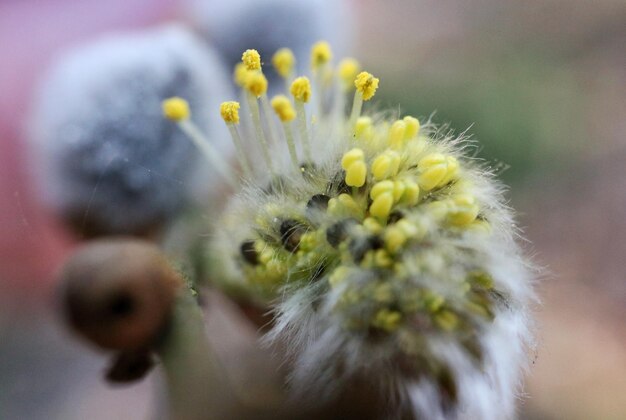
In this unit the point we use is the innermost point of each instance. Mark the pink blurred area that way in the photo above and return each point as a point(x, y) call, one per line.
point(32, 33)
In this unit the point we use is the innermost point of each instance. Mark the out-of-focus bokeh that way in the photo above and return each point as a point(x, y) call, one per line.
point(541, 84)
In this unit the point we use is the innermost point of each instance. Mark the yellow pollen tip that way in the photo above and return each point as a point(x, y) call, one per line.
point(347, 71)
point(386, 165)
point(301, 89)
point(397, 134)
point(176, 109)
point(412, 127)
point(381, 206)
point(381, 188)
point(256, 83)
point(240, 74)
point(366, 84)
point(230, 112)
point(353, 162)
point(251, 59)
point(283, 108)
point(356, 174)
point(284, 62)
point(387, 320)
point(434, 168)
point(320, 54)
point(363, 127)
point(350, 157)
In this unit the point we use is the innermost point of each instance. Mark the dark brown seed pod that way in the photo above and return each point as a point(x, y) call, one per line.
point(119, 293)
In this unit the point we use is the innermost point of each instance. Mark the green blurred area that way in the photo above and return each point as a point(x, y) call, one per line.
point(523, 110)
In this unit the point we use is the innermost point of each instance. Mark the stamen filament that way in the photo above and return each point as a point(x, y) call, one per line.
point(203, 144)
point(291, 145)
point(241, 156)
point(357, 105)
point(256, 121)
point(267, 111)
point(304, 134)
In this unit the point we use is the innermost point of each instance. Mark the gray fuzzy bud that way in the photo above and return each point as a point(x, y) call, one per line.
point(106, 158)
point(267, 26)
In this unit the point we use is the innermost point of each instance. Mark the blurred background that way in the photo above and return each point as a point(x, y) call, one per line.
point(541, 83)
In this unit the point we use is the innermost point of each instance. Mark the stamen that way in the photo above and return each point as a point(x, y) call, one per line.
point(412, 127)
point(301, 91)
point(284, 62)
point(321, 55)
point(177, 109)
point(230, 115)
point(267, 112)
point(353, 162)
point(251, 59)
point(366, 85)
point(283, 108)
point(347, 70)
point(363, 128)
point(397, 134)
point(240, 74)
point(256, 85)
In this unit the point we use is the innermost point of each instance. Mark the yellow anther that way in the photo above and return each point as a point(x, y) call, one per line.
point(381, 188)
point(408, 228)
point(356, 174)
point(447, 320)
point(363, 127)
point(176, 109)
point(397, 134)
point(383, 293)
point(338, 276)
point(381, 206)
point(372, 226)
point(283, 108)
point(266, 255)
point(482, 279)
point(347, 203)
point(412, 127)
point(383, 259)
point(366, 84)
point(284, 62)
point(432, 160)
point(395, 238)
point(240, 74)
point(301, 89)
point(411, 192)
point(463, 210)
point(251, 59)
point(256, 83)
point(386, 165)
point(398, 190)
point(351, 156)
point(275, 268)
point(434, 168)
point(453, 169)
point(433, 302)
point(387, 320)
point(230, 112)
point(347, 70)
point(320, 54)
